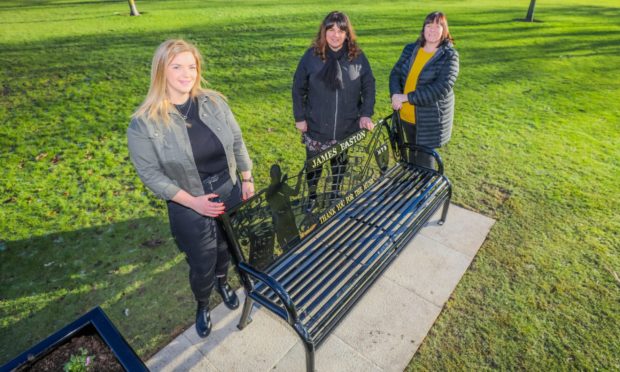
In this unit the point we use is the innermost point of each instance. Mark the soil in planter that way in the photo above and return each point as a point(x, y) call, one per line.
point(104, 359)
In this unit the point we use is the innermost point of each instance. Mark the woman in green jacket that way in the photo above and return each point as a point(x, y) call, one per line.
point(187, 147)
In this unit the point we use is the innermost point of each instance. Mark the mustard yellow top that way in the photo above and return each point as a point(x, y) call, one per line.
point(407, 112)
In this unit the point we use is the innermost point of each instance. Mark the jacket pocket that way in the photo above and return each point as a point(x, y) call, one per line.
point(313, 117)
point(167, 147)
point(157, 139)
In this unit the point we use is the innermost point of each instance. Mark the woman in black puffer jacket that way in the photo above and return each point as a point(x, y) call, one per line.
point(421, 87)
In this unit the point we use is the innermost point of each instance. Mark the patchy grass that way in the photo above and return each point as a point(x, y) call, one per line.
point(536, 146)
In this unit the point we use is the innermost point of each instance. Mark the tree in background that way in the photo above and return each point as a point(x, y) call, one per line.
point(133, 10)
point(530, 11)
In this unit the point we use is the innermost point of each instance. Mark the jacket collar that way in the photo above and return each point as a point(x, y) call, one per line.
point(200, 98)
point(441, 49)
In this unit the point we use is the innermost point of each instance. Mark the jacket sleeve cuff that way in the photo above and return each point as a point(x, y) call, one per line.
point(411, 97)
point(244, 165)
point(170, 191)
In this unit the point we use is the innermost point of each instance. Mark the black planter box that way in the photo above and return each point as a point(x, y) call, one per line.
point(94, 319)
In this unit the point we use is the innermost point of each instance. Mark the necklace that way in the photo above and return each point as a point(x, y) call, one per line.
point(189, 107)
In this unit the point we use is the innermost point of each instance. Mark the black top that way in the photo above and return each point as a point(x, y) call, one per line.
point(208, 151)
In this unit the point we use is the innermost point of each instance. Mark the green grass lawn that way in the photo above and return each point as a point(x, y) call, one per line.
point(535, 145)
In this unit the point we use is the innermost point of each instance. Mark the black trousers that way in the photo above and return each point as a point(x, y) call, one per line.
point(416, 157)
point(338, 168)
point(204, 244)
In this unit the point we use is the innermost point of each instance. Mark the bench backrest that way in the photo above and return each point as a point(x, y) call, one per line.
point(286, 212)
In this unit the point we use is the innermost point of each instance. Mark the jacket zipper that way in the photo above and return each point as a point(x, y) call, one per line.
point(336, 115)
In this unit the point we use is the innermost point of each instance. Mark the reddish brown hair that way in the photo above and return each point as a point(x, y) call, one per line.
point(341, 21)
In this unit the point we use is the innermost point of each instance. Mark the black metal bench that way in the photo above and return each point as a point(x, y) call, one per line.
point(309, 253)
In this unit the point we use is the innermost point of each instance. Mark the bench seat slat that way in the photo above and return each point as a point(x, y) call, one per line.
point(362, 277)
point(367, 241)
point(405, 208)
point(352, 272)
point(315, 280)
point(359, 277)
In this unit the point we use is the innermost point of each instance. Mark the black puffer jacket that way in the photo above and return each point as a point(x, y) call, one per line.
point(333, 114)
point(433, 97)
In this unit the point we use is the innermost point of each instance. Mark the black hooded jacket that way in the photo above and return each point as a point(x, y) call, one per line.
point(333, 114)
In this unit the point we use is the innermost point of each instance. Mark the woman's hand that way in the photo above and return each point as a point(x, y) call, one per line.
point(205, 206)
point(366, 123)
point(302, 126)
point(247, 190)
point(200, 204)
point(397, 101)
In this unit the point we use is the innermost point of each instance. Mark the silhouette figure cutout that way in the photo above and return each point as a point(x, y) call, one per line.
point(279, 195)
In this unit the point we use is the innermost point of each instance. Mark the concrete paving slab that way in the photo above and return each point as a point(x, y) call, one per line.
point(180, 355)
point(257, 348)
point(429, 269)
point(464, 230)
point(224, 323)
point(333, 355)
point(388, 332)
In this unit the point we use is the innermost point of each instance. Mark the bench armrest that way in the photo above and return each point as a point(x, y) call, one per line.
point(429, 151)
point(291, 312)
point(398, 141)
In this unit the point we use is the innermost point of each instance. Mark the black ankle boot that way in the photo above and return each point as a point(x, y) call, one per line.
point(228, 295)
point(203, 320)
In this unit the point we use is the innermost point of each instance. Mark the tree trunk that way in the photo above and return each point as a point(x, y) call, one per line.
point(530, 11)
point(133, 10)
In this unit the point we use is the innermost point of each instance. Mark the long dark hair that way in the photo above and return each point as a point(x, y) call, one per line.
point(341, 21)
point(436, 17)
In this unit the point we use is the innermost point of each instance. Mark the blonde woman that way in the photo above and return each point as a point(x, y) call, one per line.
point(187, 147)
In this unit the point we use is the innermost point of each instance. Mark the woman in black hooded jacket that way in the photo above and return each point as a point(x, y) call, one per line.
point(333, 94)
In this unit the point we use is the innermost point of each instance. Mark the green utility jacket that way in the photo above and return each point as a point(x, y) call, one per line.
point(162, 154)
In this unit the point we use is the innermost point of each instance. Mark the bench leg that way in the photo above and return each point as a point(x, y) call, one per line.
point(444, 213)
point(309, 356)
point(245, 315)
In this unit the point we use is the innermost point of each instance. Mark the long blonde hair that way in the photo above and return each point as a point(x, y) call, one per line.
point(156, 106)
